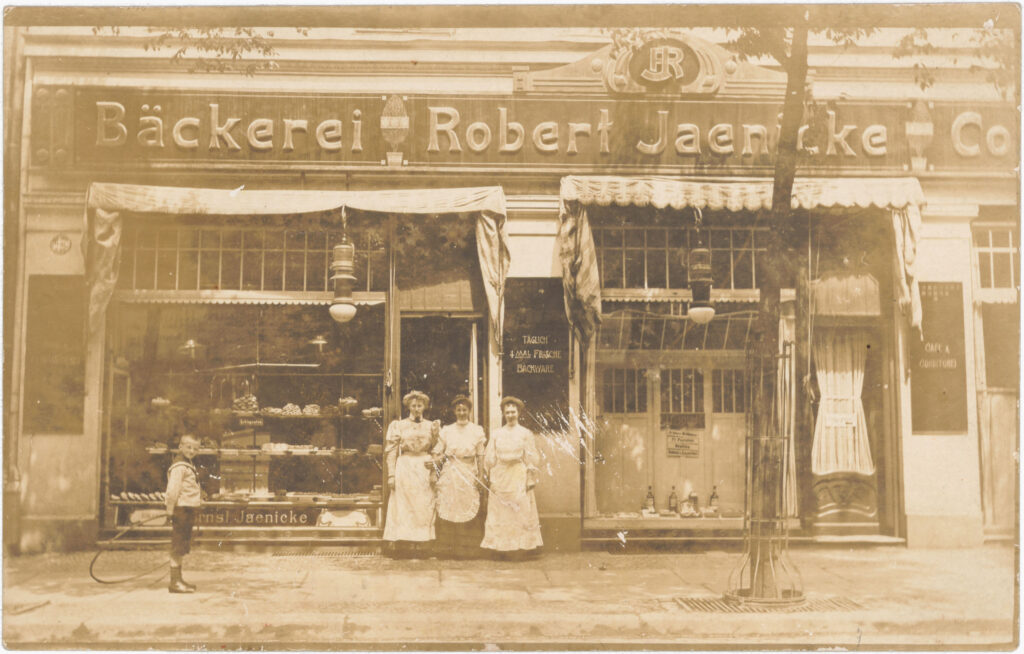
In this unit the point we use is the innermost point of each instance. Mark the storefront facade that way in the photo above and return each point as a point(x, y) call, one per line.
point(522, 219)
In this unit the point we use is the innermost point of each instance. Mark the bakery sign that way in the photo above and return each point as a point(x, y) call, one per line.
point(111, 127)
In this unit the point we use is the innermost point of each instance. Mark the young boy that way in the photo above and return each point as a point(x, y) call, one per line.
point(183, 498)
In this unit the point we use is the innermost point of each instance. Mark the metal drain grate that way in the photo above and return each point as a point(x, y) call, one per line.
point(719, 605)
point(329, 552)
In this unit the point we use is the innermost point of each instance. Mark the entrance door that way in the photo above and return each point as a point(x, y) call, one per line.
point(440, 357)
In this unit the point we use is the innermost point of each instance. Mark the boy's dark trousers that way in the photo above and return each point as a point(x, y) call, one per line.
point(182, 521)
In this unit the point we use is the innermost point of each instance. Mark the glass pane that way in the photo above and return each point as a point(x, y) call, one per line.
point(743, 272)
point(634, 238)
point(231, 270)
point(694, 339)
point(316, 240)
point(1003, 276)
point(716, 391)
point(145, 269)
point(1000, 238)
point(168, 238)
point(676, 393)
point(147, 238)
point(188, 270)
point(641, 390)
point(209, 270)
point(636, 326)
point(316, 267)
point(688, 390)
point(618, 403)
point(295, 266)
point(630, 390)
point(251, 270)
point(611, 269)
point(596, 235)
point(634, 269)
point(727, 391)
point(718, 239)
point(166, 273)
point(676, 269)
point(231, 239)
point(378, 272)
point(655, 239)
point(608, 392)
point(716, 335)
point(698, 394)
point(652, 333)
point(273, 239)
point(209, 238)
point(736, 339)
point(252, 239)
point(272, 267)
point(981, 238)
point(608, 334)
point(677, 238)
point(296, 240)
point(674, 334)
point(720, 277)
point(740, 388)
point(613, 238)
point(360, 262)
point(656, 269)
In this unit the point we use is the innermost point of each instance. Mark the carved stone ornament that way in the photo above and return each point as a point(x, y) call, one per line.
point(658, 63)
point(644, 61)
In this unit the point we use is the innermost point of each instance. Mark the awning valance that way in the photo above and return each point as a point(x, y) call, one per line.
point(105, 204)
point(741, 194)
point(901, 197)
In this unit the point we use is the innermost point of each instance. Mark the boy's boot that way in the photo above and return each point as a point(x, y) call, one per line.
point(191, 587)
point(177, 585)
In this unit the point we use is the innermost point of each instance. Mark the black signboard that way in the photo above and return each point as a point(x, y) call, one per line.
point(536, 364)
point(938, 378)
point(55, 354)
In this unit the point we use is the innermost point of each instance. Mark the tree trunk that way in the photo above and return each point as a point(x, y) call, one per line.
point(768, 447)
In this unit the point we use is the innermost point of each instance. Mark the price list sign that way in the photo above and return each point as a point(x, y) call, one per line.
point(536, 361)
point(938, 377)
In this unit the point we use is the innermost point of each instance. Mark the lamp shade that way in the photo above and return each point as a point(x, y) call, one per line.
point(342, 311)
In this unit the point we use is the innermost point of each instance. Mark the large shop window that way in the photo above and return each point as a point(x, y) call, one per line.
point(284, 400)
point(268, 258)
point(632, 257)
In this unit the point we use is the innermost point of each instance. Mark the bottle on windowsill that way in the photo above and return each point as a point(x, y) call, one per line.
point(648, 505)
point(673, 501)
point(713, 501)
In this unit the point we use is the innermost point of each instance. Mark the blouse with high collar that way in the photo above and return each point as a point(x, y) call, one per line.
point(413, 436)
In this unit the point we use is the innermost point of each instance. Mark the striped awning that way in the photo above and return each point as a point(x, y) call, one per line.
point(741, 194)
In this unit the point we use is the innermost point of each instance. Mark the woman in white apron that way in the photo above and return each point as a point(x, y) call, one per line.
point(459, 452)
point(510, 460)
point(411, 500)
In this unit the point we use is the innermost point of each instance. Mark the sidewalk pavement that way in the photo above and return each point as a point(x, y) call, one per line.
point(298, 600)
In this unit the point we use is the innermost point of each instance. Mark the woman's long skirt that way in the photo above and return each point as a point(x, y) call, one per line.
point(410, 514)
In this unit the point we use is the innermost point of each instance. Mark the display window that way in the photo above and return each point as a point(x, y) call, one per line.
point(286, 403)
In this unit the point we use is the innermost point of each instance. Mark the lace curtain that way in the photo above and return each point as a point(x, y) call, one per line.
point(841, 432)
